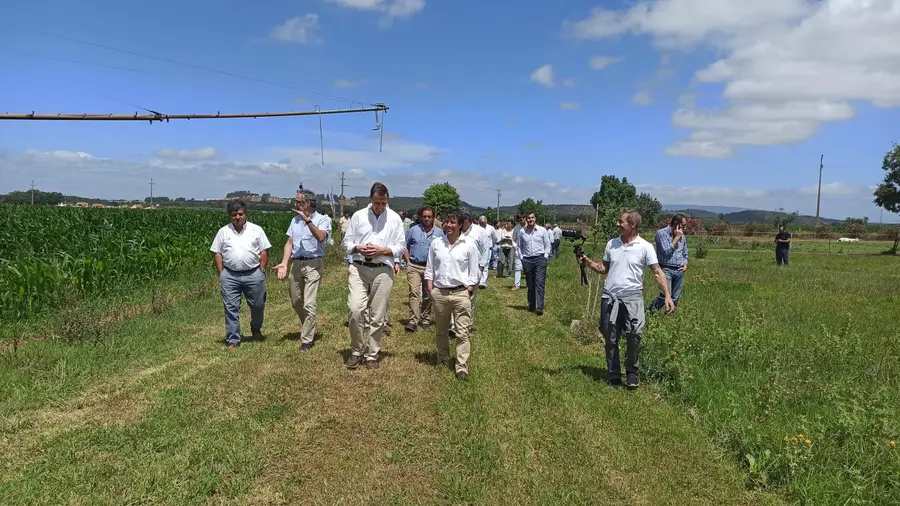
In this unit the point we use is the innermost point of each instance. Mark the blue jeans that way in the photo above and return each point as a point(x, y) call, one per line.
point(675, 279)
point(781, 255)
point(495, 254)
point(235, 285)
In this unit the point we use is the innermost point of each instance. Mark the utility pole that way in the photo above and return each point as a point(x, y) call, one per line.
point(342, 193)
point(819, 196)
point(498, 205)
point(151, 191)
point(32, 192)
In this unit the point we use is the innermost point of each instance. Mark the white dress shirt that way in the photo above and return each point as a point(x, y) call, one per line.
point(492, 233)
point(452, 265)
point(483, 243)
point(385, 231)
point(557, 233)
point(240, 250)
point(535, 242)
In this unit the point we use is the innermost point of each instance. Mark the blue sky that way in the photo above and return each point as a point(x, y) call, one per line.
point(697, 101)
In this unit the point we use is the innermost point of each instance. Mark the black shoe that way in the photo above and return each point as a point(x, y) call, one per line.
point(354, 361)
point(614, 383)
point(410, 327)
point(372, 364)
point(462, 376)
point(539, 312)
point(632, 382)
point(305, 347)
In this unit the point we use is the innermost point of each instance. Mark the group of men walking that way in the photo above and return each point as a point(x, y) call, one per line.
point(445, 268)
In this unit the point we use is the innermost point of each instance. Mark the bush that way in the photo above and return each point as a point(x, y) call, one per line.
point(718, 228)
point(823, 231)
point(856, 229)
point(701, 250)
point(751, 228)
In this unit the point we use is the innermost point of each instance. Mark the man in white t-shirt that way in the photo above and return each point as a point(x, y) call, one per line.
point(492, 260)
point(622, 308)
point(240, 253)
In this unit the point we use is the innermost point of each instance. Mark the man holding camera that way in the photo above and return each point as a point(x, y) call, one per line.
point(622, 302)
point(672, 253)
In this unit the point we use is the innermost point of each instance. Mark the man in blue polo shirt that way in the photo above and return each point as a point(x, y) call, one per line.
point(418, 240)
point(305, 249)
point(672, 253)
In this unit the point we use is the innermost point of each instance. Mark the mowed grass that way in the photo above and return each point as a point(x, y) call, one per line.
point(157, 412)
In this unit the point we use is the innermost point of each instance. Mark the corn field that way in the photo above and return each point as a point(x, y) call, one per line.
point(50, 255)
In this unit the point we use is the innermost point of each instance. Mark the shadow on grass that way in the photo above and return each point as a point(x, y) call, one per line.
point(519, 307)
point(346, 352)
point(295, 336)
point(598, 374)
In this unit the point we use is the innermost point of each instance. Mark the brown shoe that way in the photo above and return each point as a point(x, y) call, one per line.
point(372, 364)
point(462, 376)
point(354, 361)
point(231, 347)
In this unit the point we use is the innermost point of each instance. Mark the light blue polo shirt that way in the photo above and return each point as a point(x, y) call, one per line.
point(305, 244)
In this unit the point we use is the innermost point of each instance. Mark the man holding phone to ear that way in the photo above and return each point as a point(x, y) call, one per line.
point(672, 252)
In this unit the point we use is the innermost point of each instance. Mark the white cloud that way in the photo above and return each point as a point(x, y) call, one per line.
point(389, 9)
point(570, 106)
point(544, 76)
point(642, 98)
point(300, 30)
point(61, 155)
point(206, 153)
point(786, 66)
point(345, 83)
point(601, 62)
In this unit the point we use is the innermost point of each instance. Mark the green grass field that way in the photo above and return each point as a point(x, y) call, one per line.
point(156, 412)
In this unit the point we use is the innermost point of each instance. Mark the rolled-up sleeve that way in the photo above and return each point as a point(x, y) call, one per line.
point(349, 241)
point(547, 243)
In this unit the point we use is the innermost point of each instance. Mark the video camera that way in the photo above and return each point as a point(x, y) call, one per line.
point(573, 235)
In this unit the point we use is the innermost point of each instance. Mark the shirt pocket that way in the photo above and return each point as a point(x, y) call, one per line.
point(309, 244)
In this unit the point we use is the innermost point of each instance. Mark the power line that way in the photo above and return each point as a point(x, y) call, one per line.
point(23, 53)
point(166, 117)
point(819, 195)
point(197, 67)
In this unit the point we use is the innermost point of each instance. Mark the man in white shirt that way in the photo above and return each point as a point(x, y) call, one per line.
point(342, 224)
point(376, 242)
point(622, 302)
point(557, 239)
point(451, 274)
point(517, 260)
point(534, 249)
point(482, 242)
point(492, 261)
point(305, 250)
point(240, 253)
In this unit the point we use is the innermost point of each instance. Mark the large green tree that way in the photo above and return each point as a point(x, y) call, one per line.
point(441, 197)
point(614, 196)
point(887, 194)
point(529, 205)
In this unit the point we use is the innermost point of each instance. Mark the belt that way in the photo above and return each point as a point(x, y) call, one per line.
point(422, 264)
point(242, 272)
point(452, 288)
point(673, 266)
point(370, 264)
point(305, 258)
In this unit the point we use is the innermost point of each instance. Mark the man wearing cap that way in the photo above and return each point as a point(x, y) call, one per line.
point(305, 250)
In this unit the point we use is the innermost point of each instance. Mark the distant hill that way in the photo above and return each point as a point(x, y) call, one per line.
point(749, 215)
point(712, 209)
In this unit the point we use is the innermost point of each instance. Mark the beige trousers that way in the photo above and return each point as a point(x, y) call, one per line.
point(473, 299)
point(419, 310)
point(304, 289)
point(455, 304)
point(370, 290)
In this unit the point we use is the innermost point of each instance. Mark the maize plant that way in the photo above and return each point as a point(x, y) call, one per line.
point(49, 251)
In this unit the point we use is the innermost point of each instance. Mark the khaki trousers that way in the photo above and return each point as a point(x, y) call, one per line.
point(304, 289)
point(419, 310)
point(455, 304)
point(370, 290)
point(473, 299)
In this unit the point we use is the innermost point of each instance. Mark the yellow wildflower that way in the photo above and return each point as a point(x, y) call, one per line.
point(808, 442)
point(893, 443)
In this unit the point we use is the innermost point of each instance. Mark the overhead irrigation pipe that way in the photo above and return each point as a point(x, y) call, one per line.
point(167, 117)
